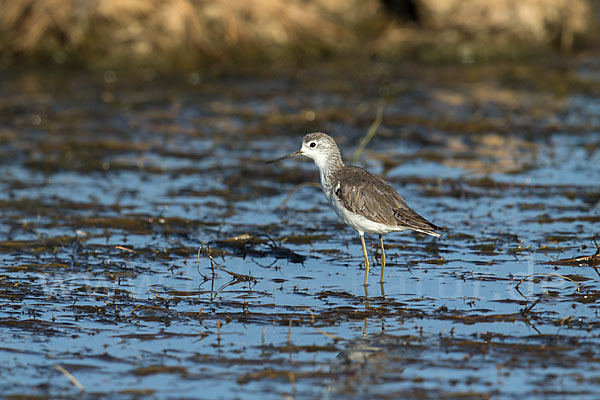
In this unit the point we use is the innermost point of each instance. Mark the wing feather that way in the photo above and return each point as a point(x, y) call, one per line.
point(364, 193)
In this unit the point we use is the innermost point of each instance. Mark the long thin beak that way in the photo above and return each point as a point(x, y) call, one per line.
point(294, 154)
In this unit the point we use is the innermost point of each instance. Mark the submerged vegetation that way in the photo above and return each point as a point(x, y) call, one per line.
point(147, 250)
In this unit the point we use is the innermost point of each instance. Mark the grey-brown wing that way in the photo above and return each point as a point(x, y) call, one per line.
point(364, 193)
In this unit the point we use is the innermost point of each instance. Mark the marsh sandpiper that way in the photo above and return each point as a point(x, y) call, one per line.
point(360, 199)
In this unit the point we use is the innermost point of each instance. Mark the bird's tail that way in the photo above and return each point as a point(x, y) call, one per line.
point(431, 230)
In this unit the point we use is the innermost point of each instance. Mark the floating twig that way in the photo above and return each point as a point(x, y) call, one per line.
point(528, 309)
point(214, 264)
point(546, 274)
point(245, 238)
point(70, 377)
point(582, 260)
point(240, 277)
point(126, 249)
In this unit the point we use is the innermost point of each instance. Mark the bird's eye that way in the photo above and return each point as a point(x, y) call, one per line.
point(313, 144)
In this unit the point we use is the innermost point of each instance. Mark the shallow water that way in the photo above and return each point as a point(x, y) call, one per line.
point(149, 251)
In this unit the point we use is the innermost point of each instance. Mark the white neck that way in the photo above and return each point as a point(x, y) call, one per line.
point(327, 164)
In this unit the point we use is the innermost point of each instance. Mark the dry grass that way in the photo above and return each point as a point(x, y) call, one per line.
point(529, 20)
point(186, 32)
point(180, 31)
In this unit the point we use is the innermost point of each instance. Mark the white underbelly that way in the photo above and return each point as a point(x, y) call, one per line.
point(359, 222)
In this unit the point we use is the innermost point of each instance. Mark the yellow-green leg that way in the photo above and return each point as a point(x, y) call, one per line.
point(382, 257)
point(362, 241)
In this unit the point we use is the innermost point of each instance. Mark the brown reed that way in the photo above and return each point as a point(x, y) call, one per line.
point(184, 33)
